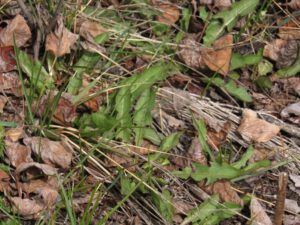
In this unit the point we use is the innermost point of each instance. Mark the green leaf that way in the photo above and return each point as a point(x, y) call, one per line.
point(245, 157)
point(185, 20)
point(202, 136)
point(240, 61)
point(126, 185)
point(152, 136)
point(264, 67)
point(142, 115)
point(170, 142)
point(123, 107)
point(203, 14)
point(206, 209)
point(227, 19)
point(86, 63)
point(215, 172)
point(263, 82)
point(103, 122)
point(183, 174)
point(257, 165)
point(37, 74)
point(237, 92)
point(164, 204)
point(143, 81)
point(290, 71)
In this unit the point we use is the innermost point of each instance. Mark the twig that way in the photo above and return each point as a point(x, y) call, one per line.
point(279, 210)
point(27, 13)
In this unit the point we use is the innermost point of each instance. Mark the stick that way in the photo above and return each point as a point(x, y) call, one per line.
point(279, 210)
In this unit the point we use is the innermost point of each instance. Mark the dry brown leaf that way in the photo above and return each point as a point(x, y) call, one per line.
point(296, 180)
point(49, 195)
point(61, 40)
point(191, 52)
point(7, 59)
point(27, 207)
point(51, 152)
point(17, 153)
point(65, 111)
point(33, 185)
point(10, 83)
point(292, 110)
point(3, 101)
point(170, 13)
point(91, 28)
point(33, 169)
point(145, 148)
point(255, 129)
point(16, 30)
point(292, 206)
point(218, 59)
point(225, 191)
point(258, 214)
point(195, 152)
point(4, 181)
point(284, 52)
point(215, 139)
point(294, 4)
point(290, 30)
point(222, 4)
point(14, 134)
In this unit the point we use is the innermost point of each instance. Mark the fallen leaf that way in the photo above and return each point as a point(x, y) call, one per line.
point(10, 84)
point(289, 31)
point(3, 101)
point(190, 52)
point(296, 180)
point(33, 169)
point(215, 139)
point(7, 59)
point(260, 154)
point(17, 153)
point(27, 207)
point(195, 152)
point(4, 181)
point(284, 52)
point(258, 214)
point(64, 111)
point(291, 220)
point(33, 185)
point(256, 129)
point(292, 113)
point(224, 190)
point(16, 31)
point(170, 13)
point(61, 40)
point(218, 59)
point(292, 206)
point(91, 28)
point(14, 134)
point(145, 148)
point(290, 85)
point(222, 4)
point(49, 195)
point(294, 4)
point(51, 152)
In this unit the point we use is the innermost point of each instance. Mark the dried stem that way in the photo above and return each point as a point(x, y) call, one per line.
point(279, 210)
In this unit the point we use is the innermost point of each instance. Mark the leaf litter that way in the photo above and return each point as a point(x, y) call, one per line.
point(97, 106)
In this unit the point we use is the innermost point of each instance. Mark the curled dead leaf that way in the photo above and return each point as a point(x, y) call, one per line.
point(294, 4)
point(16, 31)
point(4, 181)
point(255, 129)
point(195, 152)
point(33, 169)
point(17, 153)
point(258, 214)
point(61, 40)
point(290, 30)
point(51, 152)
point(222, 4)
point(64, 111)
point(27, 207)
point(170, 13)
point(48, 195)
point(14, 134)
point(292, 113)
point(225, 191)
point(190, 52)
point(33, 185)
point(91, 28)
point(284, 52)
point(7, 59)
point(10, 83)
point(219, 57)
point(3, 101)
